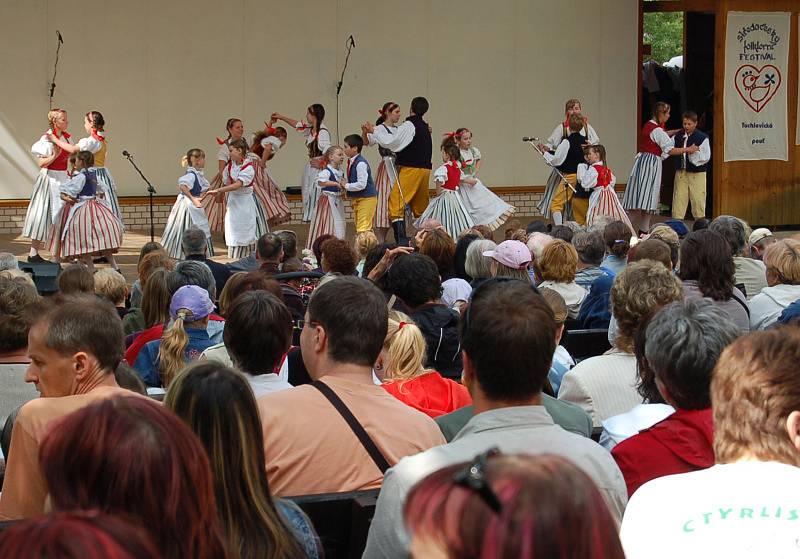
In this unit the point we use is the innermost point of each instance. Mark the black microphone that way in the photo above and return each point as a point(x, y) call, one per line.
point(352, 41)
point(530, 139)
point(126, 153)
point(60, 38)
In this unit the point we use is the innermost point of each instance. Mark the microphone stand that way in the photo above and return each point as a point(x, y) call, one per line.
point(564, 182)
point(151, 191)
point(350, 45)
point(55, 69)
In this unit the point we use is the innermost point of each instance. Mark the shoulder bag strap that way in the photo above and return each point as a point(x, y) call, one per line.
point(359, 431)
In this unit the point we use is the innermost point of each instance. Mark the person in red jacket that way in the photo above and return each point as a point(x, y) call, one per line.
point(684, 342)
point(400, 367)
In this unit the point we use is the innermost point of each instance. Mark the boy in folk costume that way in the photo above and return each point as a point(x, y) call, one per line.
point(413, 146)
point(566, 158)
point(690, 174)
point(359, 186)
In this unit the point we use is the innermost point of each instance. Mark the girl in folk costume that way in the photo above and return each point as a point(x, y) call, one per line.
point(240, 212)
point(90, 227)
point(483, 205)
point(215, 205)
point(329, 218)
point(597, 178)
point(644, 185)
point(45, 205)
point(188, 212)
point(560, 133)
point(266, 144)
point(95, 142)
point(386, 174)
point(259, 187)
point(318, 140)
point(448, 207)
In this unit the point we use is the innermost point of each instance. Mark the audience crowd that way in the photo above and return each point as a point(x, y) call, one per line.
point(558, 392)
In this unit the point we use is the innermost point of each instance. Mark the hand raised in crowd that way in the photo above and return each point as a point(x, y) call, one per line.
point(386, 262)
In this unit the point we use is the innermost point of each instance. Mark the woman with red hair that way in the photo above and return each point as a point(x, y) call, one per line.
point(523, 507)
point(130, 456)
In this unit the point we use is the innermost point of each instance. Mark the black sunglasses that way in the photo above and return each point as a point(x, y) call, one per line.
point(473, 477)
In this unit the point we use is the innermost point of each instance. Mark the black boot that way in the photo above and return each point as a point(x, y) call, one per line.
point(399, 228)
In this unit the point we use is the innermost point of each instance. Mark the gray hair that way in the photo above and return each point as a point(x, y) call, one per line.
point(684, 340)
point(591, 247)
point(733, 230)
point(192, 272)
point(476, 264)
point(600, 223)
point(289, 240)
point(537, 243)
point(8, 261)
point(193, 241)
point(575, 226)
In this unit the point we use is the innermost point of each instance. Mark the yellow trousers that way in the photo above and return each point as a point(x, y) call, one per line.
point(689, 187)
point(414, 183)
point(580, 206)
point(364, 212)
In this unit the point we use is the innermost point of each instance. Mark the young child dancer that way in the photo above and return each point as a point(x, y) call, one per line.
point(240, 212)
point(560, 133)
point(359, 185)
point(386, 174)
point(46, 202)
point(447, 207)
point(483, 205)
point(318, 141)
point(188, 209)
point(259, 186)
point(272, 139)
point(690, 176)
point(644, 185)
point(91, 227)
point(597, 178)
point(215, 205)
point(329, 217)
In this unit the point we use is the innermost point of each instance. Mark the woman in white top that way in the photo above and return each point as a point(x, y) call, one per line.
point(215, 205)
point(782, 259)
point(386, 174)
point(318, 140)
point(240, 213)
point(188, 209)
point(644, 184)
point(558, 266)
point(266, 145)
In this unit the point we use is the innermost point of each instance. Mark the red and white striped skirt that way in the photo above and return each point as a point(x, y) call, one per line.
point(91, 227)
point(329, 218)
point(604, 201)
point(385, 177)
point(274, 201)
point(215, 206)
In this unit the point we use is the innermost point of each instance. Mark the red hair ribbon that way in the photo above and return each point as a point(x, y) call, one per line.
point(220, 141)
point(271, 131)
point(449, 135)
point(380, 111)
point(97, 135)
point(400, 327)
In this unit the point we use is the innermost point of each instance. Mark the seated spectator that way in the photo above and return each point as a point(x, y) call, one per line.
point(739, 507)
point(700, 224)
point(19, 304)
point(707, 270)
point(684, 342)
point(414, 278)
point(338, 258)
point(750, 273)
point(442, 249)
point(316, 249)
point(678, 226)
point(74, 347)
point(269, 252)
point(562, 232)
point(8, 262)
point(652, 249)
point(484, 231)
point(782, 260)
point(138, 284)
point(758, 242)
point(187, 272)
point(77, 535)
point(791, 314)
point(343, 333)
point(217, 404)
point(194, 245)
point(455, 293)
point(460, 255)
point(129, 456)
point(536, 243)
point(151, 261)
point(591, 249)
point(289, 241)
point(111, 285)
point(508, 338)
point(605, 385)
point(365, 241)
point(669, 236)
point(295, 291)
point(185, 339)
point(548, 495)
point(399, 367)
point(510, 259)
point(536, 226)
point(562, 360)
point(617, 237)
point(558, 266)
point(426, 227)
point(154, 308)
point(478, 266)
point(127, 378)
point(595, 311)
point(75, 279)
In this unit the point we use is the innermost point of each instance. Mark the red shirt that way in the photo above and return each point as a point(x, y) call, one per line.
point(680, 443)
point(431, 393)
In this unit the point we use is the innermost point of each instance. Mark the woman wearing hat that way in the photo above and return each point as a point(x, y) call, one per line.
point(510, 260)
point(184, 341)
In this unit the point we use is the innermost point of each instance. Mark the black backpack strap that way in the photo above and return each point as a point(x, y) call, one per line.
point(743, 303)
point(358, 429)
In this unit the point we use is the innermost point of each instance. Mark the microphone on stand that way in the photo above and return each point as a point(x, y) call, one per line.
point(60, 38)
point(530, 139)
point(126, 153)
point(352, 41)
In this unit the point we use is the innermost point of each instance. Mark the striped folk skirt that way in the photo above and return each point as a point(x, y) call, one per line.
point(448, 208)
point(262, 228)
point(550, 189)
point(274, 200)
point(309, 188)
point(385, 177)
point(91, 227)
point(604, 202)
point(644, 185)
point(39, 219)
point(182, 217)
point(484, 206)
point(329, 218)
point(111, 199)
point(215, 207)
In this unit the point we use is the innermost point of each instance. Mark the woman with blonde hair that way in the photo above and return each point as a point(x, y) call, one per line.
point(558, 266)
point(782, 259)
point(185, 339)
point(400, 366)
point(217, 404)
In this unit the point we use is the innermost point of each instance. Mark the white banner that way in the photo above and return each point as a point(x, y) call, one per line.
point(756, 81)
